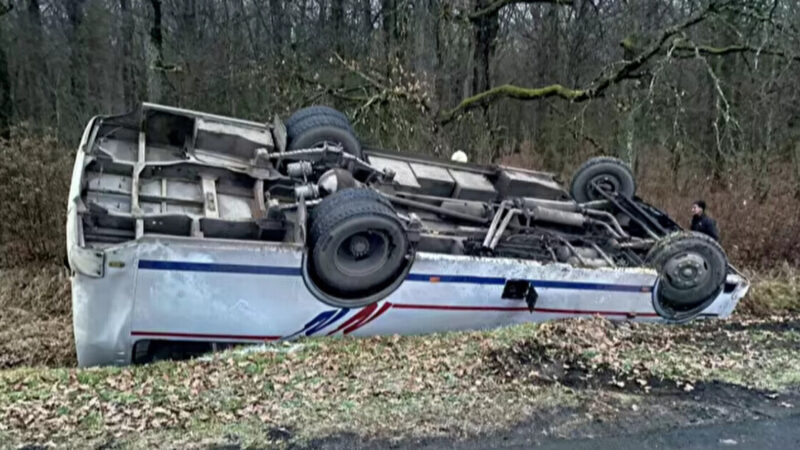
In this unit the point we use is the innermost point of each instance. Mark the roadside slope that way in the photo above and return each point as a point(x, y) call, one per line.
point(568, 376)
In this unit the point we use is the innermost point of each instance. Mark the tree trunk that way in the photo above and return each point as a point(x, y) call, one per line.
point(717, 128)
point(155, 56)
point(278, 22)
point(5, 83)
point(366, 17)
point(77, 63)
point(5, 93)
point(548, 49)
point(339, 32)
point(31, 96)
point(128, 76)
point(35, 20)
point(323, 15)
point(795, 156)
point(388, 13)
point(439, 57)
point(486, 28)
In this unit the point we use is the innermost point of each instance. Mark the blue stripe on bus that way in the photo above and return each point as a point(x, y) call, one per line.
point(591, 286)
point(467, 279)
point(214, 267)
point(552, 284)
point(455, 279)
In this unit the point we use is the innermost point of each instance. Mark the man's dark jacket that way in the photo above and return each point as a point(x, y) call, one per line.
point(705, 225)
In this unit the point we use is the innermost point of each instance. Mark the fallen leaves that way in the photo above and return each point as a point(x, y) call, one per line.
point(641, 357)
point(419, 376)
point(397, 384)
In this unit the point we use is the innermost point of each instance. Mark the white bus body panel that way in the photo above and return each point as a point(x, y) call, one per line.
point(184, 289)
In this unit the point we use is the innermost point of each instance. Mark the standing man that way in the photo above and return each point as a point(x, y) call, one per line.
point(701, 222)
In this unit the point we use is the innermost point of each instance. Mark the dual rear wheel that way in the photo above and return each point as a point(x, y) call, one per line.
point(359, 250)
point(315, 126)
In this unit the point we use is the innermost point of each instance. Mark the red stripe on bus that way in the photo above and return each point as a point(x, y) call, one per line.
point(459, 308)
point(602, 313)
point(521, 308)
point(383, 309)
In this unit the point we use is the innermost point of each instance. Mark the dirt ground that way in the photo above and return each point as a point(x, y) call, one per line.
point(625, 402)
point(715, 415)
point(572, 379)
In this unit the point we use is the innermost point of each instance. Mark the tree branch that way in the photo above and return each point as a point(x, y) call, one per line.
point(340, 93)
point(783, 27)
point(690, 50)
point(352, 67)
point(624, 70)
point(497, 5)
point(511, 91)
point(372, 89)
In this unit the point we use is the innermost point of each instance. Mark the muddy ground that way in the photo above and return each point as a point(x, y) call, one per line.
point(717, 415)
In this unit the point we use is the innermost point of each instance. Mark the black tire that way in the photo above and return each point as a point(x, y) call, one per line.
point(335, 200)
point(655, 255)
point(316, 110)
point(692, 269)
point(315, 137)
point(319, 120)
point(341, 201)
point(611, 173)
point(337, 240)
point(658, 253)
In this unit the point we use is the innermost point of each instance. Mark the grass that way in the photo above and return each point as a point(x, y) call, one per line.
point(327, 387)
point(35, 319)
point(774, 292)
point(455, 384)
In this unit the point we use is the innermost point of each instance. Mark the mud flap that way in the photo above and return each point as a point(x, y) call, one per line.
point(521, 290)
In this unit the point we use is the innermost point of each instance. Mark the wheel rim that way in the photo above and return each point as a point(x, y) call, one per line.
point(607, 183)
point(362, 253)
point(687, 278)
point(687, 271)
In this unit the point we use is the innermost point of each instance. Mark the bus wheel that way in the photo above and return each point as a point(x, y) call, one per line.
point(357, 250)
point(317, 125)
point(610, 174)
point(692, 268)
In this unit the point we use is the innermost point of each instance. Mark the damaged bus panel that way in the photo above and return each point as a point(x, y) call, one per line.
point(189, 231)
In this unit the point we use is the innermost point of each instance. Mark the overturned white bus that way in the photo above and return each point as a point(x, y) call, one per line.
point(189, 231)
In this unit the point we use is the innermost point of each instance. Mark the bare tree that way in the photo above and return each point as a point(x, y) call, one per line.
point(5, 84)
point(155, 56)
point(708, 82)
point(127, 66)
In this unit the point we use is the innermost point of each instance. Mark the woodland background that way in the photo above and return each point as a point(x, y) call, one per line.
point(699, 96)
point(702, 97)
